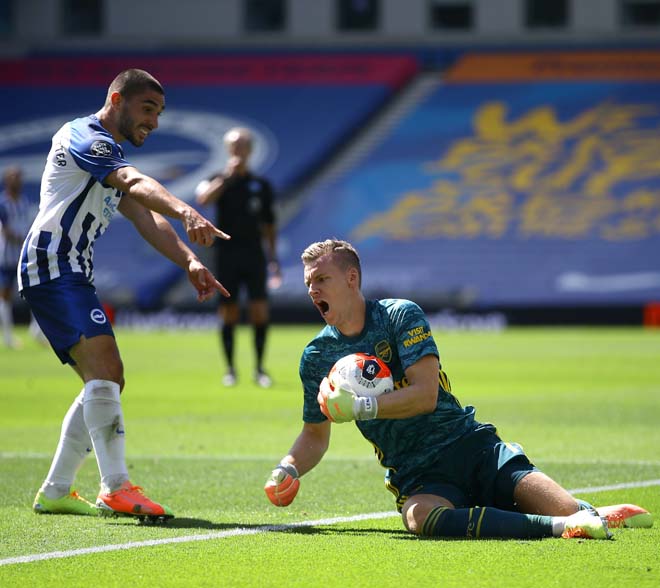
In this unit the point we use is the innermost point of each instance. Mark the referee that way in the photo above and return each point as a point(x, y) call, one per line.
point(244, 205)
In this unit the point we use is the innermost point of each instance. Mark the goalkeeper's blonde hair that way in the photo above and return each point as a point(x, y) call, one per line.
point(342, 252)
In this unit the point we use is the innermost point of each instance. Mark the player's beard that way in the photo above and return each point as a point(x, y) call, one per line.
point(127, 129)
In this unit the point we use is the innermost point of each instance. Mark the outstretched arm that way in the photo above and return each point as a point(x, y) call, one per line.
point(160, 234)
point(309, 447)
point(154, 196)
point(305, 453)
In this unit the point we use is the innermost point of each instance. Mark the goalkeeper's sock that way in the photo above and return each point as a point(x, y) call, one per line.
point(74, 445)
point(482, 522)
point(227, 337)
point(105, 423)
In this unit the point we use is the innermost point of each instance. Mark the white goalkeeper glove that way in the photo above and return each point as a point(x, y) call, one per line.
point(282, 486)
point(341, 405)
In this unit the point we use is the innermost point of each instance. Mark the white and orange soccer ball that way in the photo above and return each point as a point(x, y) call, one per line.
point(363, 374)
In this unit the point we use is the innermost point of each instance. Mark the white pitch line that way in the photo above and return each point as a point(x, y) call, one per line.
point(640, 484)
point(190, 538)
point(240, 531)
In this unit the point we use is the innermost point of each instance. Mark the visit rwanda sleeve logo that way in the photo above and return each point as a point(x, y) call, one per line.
point(417, 335)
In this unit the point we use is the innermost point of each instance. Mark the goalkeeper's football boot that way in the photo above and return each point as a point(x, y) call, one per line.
point(585, 525)
point(626, 515)
point(71, 503)
point(130, 501)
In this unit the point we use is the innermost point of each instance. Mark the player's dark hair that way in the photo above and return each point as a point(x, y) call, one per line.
point(344, 254)
point(134, 81)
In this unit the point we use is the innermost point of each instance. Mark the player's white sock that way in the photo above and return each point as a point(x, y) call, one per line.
point(7, 322)
point(558, 526)
point(105, 423)
point(73, 447)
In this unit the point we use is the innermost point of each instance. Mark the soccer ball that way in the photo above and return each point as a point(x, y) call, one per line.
point(365, 375)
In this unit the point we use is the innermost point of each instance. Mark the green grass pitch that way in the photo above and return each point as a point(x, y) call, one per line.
point(585, 404)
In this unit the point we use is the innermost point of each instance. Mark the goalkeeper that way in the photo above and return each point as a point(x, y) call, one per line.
point(452, 476)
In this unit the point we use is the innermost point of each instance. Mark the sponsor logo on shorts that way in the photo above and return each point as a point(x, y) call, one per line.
point(98, 316)
point(101, 148)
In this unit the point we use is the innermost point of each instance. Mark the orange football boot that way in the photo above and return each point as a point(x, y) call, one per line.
point(626, 515)
point(130, 500)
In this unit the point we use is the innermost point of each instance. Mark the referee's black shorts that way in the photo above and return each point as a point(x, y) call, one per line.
point(241, 267)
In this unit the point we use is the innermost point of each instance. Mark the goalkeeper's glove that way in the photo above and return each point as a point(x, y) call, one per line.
point(282, 486)
point(341, 405)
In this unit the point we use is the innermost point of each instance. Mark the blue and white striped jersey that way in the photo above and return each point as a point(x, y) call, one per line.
point(75, 206)
point(15, 215)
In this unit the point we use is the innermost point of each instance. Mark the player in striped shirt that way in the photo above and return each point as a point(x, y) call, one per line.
point(86, 180)
point(14, 222)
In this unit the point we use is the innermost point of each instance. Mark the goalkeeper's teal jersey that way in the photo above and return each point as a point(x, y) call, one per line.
point(397, 332)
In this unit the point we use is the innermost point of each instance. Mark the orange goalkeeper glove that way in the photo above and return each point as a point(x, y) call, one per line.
point(282, 486)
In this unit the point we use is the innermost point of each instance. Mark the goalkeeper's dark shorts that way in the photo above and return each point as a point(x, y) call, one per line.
point(479, 469)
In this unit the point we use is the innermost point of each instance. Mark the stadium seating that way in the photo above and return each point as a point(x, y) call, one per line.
point(301, 107)
point(521, 180)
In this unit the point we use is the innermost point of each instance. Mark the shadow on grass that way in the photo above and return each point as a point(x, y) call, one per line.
point(302, 529)
point(298, 529)
point(344, 531)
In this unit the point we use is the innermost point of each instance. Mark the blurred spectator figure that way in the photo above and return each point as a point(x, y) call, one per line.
point(15, 218)
point(244, 205)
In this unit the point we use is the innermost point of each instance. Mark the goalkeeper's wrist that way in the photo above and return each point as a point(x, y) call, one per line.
point(289, 468)
point(365, 408)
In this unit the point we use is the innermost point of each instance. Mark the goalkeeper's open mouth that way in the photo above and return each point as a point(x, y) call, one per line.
point(323, 307)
